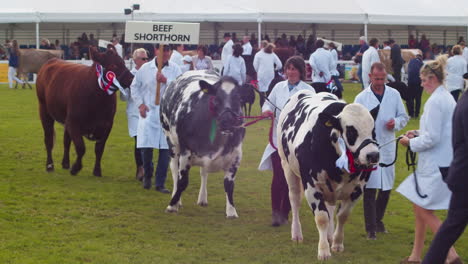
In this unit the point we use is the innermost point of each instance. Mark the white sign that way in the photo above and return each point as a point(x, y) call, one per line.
point(162, 32)
point(103, 43)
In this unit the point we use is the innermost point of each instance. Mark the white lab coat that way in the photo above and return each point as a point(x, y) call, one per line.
point(434, 148)
point(370, 56)
point(278, 96)
point(456, 67)
point(133, 114)
point(465, 53)
point(334, 55)
point(391, 107)
point(236, 69)
point(149, 131)
point(119, 49)
point(247, 49)
point(321, 61)
point(227, 52)
point(264, 64)
point(177, 58)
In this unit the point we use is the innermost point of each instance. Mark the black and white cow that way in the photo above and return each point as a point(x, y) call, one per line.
point(200, 116)
point(313, 132)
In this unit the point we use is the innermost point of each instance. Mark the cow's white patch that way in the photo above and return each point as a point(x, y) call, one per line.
point(228, 87)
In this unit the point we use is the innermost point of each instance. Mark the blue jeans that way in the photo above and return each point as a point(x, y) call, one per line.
point(161, 169)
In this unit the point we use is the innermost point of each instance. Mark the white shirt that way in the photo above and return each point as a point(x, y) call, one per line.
point(465, 53)
point(177, 58)
point(387, 48)
point(247, 49)
point(279, 95)
point(390, 108)
point(133, 114)
point(149, 131)
point(370, 56)
point(334, 56)
point(236, 69)
point(264, 64)
point(119, 49)
point(456, 67)
point(434, 148)
point(321, 61)
point(227, 52)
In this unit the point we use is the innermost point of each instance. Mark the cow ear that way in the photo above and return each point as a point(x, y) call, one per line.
point(94, 54)
point(375, 112)
point(329, 121)
point(207, 88)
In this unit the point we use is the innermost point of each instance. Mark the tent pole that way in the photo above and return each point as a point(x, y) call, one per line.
point(259, 21)
point(37, 35)
point(365, 31)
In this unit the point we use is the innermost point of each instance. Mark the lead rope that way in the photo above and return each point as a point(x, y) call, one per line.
point(396, 154)
point(411, 162)
point(258, 118)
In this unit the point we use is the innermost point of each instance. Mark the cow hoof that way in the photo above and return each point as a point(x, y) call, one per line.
point(75, 169)
point(232, 216)
point(337, 248)
point(172, 209)
point(324, 257)
point(50, 167)
point(231, 213)
point(203, 204)
point(65, 165)
point(97, 173)
point(297, 239)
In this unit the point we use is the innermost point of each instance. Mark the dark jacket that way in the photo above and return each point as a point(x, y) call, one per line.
point(395, 55)
point(457, 178)
point(13, 60)
point(414, 67)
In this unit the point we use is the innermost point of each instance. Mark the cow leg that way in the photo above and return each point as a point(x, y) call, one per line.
point(295, 198)
point(342, 217)
point(316, 202)
point(98, 151)
point(203, 194)
point(331, 225)
point(250, 108)
point(175, 179)
point(66, 150)
point(229, 178)
point(80, 149)
point(48, 126)
point(181, 183)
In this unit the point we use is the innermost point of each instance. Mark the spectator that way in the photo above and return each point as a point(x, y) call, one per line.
point(247, 47)
point(149, 132)
point(425, 188)
point(310, 45)
point(413, 102)
point(253, 40)
point(370, 56)
point(118, 47)
point(295, 74)
point(456, 68)
point(412, 42)
point(236, 65)
point(140, 57)
point(386, 45)
point(227, 49)
point(176, 56)
point(397, 60)
point(92, 41)
point(187, 64)
point(265, 64)
point(292, 42)
point(45, 44)
point(334, 72)
point(13, 63)
point(201, 61)
point(322, 64)
point(424, 43)
point(465, 50)
point(362, 49)
point(300, 45)
point(391, 117)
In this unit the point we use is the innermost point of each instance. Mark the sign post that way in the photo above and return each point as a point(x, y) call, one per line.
point(162, 33)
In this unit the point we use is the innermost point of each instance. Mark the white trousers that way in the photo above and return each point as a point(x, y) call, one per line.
point(12, 76)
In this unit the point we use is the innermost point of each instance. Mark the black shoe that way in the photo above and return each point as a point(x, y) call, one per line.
point(162, 190)
point(147, 183)
point(371, 236)
point(380, 228)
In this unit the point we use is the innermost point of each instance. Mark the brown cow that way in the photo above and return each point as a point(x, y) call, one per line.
point(70, 94)
point(31, 61)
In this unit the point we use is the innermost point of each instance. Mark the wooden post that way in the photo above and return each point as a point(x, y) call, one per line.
point(160, 64)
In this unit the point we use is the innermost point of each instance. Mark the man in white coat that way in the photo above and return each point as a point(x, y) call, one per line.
point(227, 49)
point(322, 65)
point(149, 132)
point(246, 46)
point(140, 57)
point(391, 117)
point(118, 47)
point(177, 56)
point(370, 56)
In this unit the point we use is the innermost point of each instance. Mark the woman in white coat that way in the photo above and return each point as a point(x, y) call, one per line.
point(295, 72)
point(391, 117)
point(149, 132)
point(456, 67)
point(265, 64)
point(235, 66)
point(433, 143)
point(140, 57)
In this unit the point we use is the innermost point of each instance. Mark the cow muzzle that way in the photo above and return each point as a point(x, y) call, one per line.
point(372, 157)
point(229, 121)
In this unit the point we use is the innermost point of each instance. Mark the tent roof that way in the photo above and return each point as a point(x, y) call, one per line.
point(403, 12)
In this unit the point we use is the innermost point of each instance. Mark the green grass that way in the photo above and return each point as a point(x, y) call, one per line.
point(59, 218)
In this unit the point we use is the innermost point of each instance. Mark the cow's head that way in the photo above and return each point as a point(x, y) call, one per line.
point(111, 61)
point(224, 102)
point(355, 125)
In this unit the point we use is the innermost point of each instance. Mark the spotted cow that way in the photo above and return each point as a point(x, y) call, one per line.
point(200, 114)
point(314, 131)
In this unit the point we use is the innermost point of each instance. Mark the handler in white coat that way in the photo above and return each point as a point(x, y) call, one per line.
point(265, 64)
point(322, 65)
point(140, 57)
point(149, 133)
point(391, 117)
point(295, 72)
point(370, 56)
point(434, 148)
point(226, 53)
point(456, 68)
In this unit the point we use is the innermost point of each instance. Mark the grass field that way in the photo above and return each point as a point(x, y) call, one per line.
point(59, 218)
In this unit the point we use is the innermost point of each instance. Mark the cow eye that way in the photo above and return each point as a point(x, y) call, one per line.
point(351, 135)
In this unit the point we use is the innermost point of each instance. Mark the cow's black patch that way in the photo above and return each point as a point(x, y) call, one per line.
point(351, 135)
point(229, 189)
point(356, 194)
point(329, 185)
point(284, 143)
point(328, 98)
